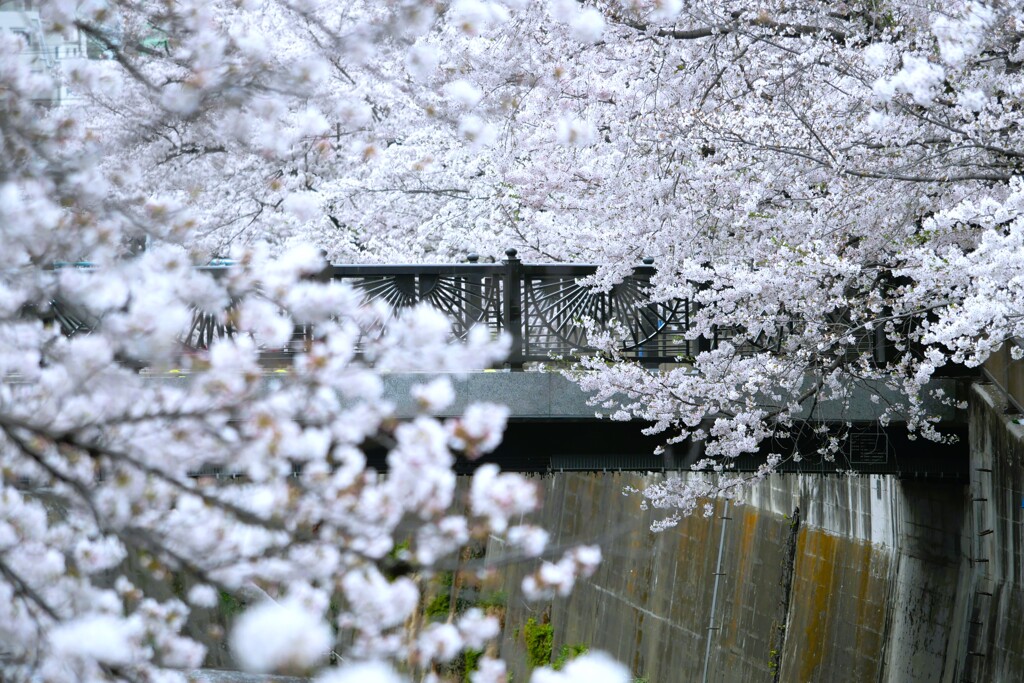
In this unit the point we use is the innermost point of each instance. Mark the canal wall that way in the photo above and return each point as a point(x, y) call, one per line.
point(821, 578)
point(993, 588)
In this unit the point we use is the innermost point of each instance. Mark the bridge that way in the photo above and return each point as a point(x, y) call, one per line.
point(541, 307)
point(553, 428)
point(917, 559)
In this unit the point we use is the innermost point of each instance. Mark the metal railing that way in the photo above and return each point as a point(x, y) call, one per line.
point(542, 307)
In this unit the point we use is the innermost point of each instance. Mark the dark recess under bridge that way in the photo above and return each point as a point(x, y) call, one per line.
point(534, 446)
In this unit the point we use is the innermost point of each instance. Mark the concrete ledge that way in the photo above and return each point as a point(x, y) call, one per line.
point(549, 395)
point(535, 395)
point(529, 395)
point(223, 676)
point(863, 409)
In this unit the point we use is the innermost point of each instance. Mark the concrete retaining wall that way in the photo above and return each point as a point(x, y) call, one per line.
point(993, 589)
point(814, 578)
point(889, 579)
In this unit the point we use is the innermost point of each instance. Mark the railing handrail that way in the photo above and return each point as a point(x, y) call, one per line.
point(370, 269)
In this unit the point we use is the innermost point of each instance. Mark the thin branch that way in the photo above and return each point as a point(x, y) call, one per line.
point(26, 591)
point(778, 28)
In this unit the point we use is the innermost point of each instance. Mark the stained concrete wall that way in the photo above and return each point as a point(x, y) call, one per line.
point(993, 588)
point(861, 558)
point(890, 580)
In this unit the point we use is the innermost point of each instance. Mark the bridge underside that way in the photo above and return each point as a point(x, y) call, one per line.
point(539, 446)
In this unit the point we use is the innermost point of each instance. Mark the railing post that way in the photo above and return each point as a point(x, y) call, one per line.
point(641, 350)
point(881, 346)
point(512, 307)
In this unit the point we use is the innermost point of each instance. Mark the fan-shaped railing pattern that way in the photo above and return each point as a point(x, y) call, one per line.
point(558, 307)
point(71, 321)
point(542, 307)
point(467, 300)
point(206, 328)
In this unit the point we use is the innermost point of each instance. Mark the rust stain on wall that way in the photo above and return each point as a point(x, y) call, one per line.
point(815, 571)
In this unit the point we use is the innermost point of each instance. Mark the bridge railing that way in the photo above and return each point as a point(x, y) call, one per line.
point(542, 307)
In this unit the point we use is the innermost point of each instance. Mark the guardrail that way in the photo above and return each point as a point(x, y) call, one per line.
point(542, 307)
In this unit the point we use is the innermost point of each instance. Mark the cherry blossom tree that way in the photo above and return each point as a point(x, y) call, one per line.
point(836, 186)
point(105, 467)
point(837, 189)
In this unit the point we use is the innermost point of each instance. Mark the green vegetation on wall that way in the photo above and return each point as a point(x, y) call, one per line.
point(538, 643)
point(471, 660)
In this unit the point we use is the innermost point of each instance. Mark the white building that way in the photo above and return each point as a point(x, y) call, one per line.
point(44, 51)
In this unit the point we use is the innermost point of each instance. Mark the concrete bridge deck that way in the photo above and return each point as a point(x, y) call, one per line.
point(553, 428)
point(550, 395)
